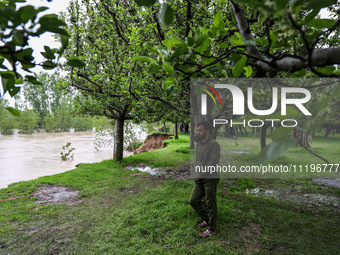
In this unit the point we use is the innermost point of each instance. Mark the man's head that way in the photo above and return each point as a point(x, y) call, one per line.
point(203, 131)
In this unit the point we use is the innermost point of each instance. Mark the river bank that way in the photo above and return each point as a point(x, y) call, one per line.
point(136, 213)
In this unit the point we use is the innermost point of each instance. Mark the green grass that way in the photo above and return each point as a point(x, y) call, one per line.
point(296, 156)
point(148, 215)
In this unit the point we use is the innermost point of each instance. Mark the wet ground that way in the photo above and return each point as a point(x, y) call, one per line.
point(319, 193)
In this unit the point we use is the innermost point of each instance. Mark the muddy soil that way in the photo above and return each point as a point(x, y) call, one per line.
point(153, 142)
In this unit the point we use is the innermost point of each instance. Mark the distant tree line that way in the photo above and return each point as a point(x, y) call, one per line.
point(44, 107)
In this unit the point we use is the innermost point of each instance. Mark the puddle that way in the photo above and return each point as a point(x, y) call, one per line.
point(252, 191)
point(302, 199)
point(147, 169)
point(57, 195)
point(240, 152)
point(331, 182)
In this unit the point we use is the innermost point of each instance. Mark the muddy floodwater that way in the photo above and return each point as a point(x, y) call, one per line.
point(26, 157)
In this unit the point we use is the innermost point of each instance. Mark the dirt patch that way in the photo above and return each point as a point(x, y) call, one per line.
point(174, 172)
point(178, 173)
point(57, 195)
point(250, 235)
point(153, 142)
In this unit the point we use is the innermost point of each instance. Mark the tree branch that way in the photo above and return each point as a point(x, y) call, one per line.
point(159, 28)
point(319, 58)
point(244, 29)
point(187, 29)
point(316, 155)
point(169, 103)
point(116, 22)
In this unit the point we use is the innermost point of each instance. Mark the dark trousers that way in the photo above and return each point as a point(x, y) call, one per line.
point(203, 200)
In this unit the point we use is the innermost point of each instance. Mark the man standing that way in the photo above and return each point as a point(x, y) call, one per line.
point(203, 196)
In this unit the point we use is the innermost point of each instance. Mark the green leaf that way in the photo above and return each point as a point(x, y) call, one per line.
point(203, 47)
point(238, 68)
point(249, 71)
point(273, 150)
point(218, 23)
point(64, 44)
point(49, 65)
point(51, 20)
point(199, 39)
point(32, 80)
point(326, 69)
point(26, 13)
point(318, 4)
point(311, 16)
point(190, 41)
point(19, 79)
point(169, 68)
point(145, 2)
point(41, 9)
point(322, 23)
point(18, 37)
point(51, 23)
point(179, 51)
point(298, 74)
point(281, 4)
point(26, 55)
point(224, 45)
point(168, 82)
point(76, 62)
point(173, 40)
point(235, 41)
point(170, 89)
point(55, 30)
point(13, 91)
point(13, 111)
point(8, 80)
point(166, 14)
point(153, 68)
point(143, 59)
point(48, 53)
point(27, 66)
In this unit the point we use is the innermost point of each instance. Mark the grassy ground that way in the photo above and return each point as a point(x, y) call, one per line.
point(145, 214)
point(295, 156)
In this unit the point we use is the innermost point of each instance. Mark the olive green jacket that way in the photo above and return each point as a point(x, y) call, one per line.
point(207, 157)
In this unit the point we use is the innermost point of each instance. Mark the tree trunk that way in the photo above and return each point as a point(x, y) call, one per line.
point(241, 131)
point(118, 139)
point(192, 133)
point(245, 131)
point(176, 130)
point(186, 128)
point(326, 133)
point(263, 133)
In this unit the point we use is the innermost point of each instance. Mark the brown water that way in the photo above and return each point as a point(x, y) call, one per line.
point(26, 157)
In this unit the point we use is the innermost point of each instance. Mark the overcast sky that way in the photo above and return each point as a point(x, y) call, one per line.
point(37, 43)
